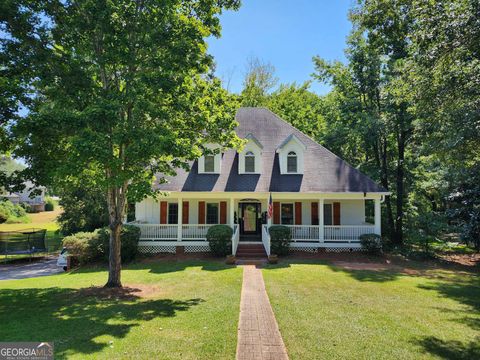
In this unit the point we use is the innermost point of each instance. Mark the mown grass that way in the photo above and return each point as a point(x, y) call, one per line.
point(327, 312)
point(191, 312)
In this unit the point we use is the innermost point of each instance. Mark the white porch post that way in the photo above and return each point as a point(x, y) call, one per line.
point(180, 219)
point(378, 214)
point(321, 229)
point(232, 212)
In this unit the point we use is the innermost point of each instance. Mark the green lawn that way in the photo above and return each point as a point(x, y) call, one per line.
point(326, 312)
point(190, 311)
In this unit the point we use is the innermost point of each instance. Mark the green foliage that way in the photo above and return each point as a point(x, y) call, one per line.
point(12, 213)
point(280, 238)
point(371, 243)
point(86, 246)
point(49, 204)
point(84, 208)
point(219, 238)
point(129, 237)
point(93, 246)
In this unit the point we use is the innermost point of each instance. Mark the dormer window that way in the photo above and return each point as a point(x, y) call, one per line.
point(292, 162)
point(209, 163)
point(249, 162)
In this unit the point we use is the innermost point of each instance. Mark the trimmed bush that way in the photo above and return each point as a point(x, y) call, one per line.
point(220, 239)
point(86, 246)
point(129, 238)
point(280, 238)
point(371, 243)
point(94, 246)
point(49, 204)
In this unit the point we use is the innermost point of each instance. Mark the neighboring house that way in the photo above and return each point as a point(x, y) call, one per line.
point(36, 202)
point(314, 192)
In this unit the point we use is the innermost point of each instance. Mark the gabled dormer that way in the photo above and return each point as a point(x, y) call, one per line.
point(291, 153)
point(210, 163)
point(250, 159)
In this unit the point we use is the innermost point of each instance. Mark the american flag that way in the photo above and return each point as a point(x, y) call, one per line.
point(270, 207)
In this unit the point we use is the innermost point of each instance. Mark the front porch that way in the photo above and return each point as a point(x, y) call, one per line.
point(329, 222)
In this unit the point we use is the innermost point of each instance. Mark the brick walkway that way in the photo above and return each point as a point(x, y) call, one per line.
point(258, 334)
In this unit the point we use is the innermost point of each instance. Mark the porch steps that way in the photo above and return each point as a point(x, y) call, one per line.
point(251, 251)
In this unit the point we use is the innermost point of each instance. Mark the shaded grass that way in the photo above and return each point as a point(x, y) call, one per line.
point(325, 311)
point(191, 314)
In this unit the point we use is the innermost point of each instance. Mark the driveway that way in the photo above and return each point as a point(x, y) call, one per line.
point(29, 270)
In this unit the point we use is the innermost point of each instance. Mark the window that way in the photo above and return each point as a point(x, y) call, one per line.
point(173, 213)
point(249, 162)
point(212, 213)
point(209, 163)
point(291, 162)
point(327, 214)
point(287, 214)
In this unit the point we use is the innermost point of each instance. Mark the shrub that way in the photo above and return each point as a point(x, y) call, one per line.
point(49, 204)
point(12, 213)
point(86, 246)
point(220, 239)
point(129, 238)
point(372, 243)
point(280, 238)
point(94, 246)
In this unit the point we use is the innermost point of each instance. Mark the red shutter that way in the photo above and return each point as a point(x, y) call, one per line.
point(314, 213)
point(223, 212)
point(185, 212)
point(276, 212)
point(163, 212)
point(201, 212)
point(298, 213)
point(336, 213)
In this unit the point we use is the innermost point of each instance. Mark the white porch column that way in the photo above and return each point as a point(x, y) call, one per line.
point(321, 229)
point(180, 219)
point(232, 212)
point(378, 219)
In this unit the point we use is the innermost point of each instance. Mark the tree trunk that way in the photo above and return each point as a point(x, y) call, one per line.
point(384, 181)
point(400, 188)
point(116, 199)
point(114, 258)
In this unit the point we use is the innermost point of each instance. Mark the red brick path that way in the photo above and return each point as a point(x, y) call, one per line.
point(258, 334)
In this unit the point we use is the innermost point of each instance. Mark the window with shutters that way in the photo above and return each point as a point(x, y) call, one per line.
point(249, 162)
point(292, 162)
point(209, 163)
point(212, 213)
point(287, 214)
point(173, 213)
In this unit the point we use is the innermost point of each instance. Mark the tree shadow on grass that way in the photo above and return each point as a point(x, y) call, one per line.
point(451, 349)
point(73, 319)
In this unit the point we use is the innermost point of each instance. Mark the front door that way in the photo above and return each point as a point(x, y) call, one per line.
point(249, 213)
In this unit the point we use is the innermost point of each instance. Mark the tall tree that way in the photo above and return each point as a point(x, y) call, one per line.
point(259, 80)
point(378, 104)
point(120, 91)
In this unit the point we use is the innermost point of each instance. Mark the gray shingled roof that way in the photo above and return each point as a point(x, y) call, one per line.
point(324, 172)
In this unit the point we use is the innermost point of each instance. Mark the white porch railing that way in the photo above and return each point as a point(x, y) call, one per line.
point(304, 232)
point(266, 239)
point(350, 233)
point(195, 231)
point(157, 231)
point(235, 239)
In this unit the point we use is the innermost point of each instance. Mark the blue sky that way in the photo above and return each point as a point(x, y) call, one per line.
point(286, 33)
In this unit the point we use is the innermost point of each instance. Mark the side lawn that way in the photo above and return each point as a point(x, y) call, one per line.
point(329, 312)
point(173, 310)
